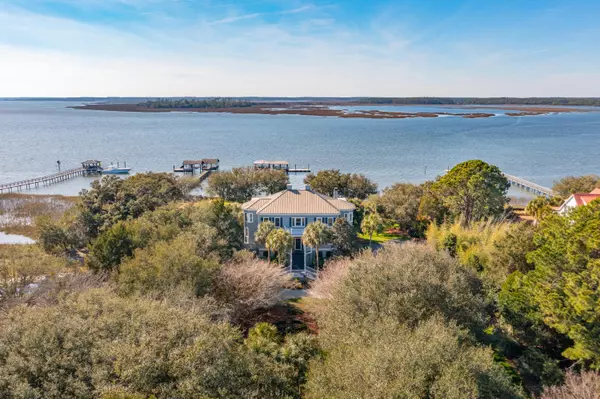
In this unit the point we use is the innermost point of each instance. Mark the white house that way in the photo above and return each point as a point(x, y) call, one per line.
point(576, 200)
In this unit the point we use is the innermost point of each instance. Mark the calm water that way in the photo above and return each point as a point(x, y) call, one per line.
point(14, 239)
point(34, 135)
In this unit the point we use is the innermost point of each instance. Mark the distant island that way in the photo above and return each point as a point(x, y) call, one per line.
point(323, 107)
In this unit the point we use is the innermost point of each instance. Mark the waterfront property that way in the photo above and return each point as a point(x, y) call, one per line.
point(579, 199)
point(292, 210)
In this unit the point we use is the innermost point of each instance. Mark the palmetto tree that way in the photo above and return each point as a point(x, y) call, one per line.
point(262, 233)
point(281, 242)
point(539, 208)
point(371, 224)
point(316, 235)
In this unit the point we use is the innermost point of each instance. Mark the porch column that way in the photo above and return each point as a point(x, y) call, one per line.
point(304, 250)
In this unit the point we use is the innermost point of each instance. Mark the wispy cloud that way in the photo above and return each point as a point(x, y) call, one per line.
point(254, 15)
point(235, 19)
point(195, 47)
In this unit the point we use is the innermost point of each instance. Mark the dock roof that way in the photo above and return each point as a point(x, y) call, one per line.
point(201, 161)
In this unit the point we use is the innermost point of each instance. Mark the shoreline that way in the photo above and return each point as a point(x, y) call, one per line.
point(322, 109)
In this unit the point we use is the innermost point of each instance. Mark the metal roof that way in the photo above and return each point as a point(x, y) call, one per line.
point(298, 202)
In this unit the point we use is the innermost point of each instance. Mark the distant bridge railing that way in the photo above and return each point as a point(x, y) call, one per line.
point(529, 186)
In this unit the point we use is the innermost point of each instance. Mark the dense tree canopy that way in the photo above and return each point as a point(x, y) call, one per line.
point(178, 310)
point(111, 199)
point(349, 185)
point(95, 343)
point(390, 328)
point(572, 184)
point(241, 184)
point(472, 190)
point(400, 205)
point(564, 285)
point(195, 103)
point(389, 360)
point(408, 283)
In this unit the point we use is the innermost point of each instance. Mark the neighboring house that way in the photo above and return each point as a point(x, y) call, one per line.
point(576, 200)
point(292, 210)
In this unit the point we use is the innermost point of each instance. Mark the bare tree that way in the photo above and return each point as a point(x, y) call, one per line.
point(577, 386)
point(249, 286)
point(328, 280)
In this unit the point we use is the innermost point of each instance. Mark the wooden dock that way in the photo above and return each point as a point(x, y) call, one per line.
point(204, 174)
point(280, 165)
point(299, 170)
point(91, 167)
point(529, 186)
point(42, 181)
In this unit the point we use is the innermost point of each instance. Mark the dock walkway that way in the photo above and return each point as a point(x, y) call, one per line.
point(529, 186)
point(44, 180)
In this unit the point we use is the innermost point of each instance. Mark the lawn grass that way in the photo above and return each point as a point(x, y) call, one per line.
point(380, 238)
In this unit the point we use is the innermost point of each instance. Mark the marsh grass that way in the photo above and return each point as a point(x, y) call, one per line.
point(19, 211)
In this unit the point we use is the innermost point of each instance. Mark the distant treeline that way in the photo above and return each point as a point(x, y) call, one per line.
point(588, 101)
point(196, 103)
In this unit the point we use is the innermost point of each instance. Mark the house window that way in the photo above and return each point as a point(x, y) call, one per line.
point(249, 217)
point(319, 219)
point(246, 236)
point(349, 217)
point(298, 222)
point(265, 219)
point(330, 221)
point(277, 221)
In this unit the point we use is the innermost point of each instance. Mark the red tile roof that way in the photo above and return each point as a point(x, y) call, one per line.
point(584, 199)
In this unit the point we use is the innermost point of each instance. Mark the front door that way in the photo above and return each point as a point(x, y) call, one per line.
point(298, 244)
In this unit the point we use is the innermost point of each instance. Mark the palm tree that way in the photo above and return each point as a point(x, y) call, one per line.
point(539, 208)
point(371, 224)
point(281, 241)
point(264, 229)
point(316, 235)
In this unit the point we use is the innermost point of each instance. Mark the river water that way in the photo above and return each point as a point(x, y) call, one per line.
point(35, 134)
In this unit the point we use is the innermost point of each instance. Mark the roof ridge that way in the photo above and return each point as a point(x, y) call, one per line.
point(273, 199)
point(252, 201)
point(327, 199)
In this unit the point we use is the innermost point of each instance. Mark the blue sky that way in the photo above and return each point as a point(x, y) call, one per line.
point(299, 48)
